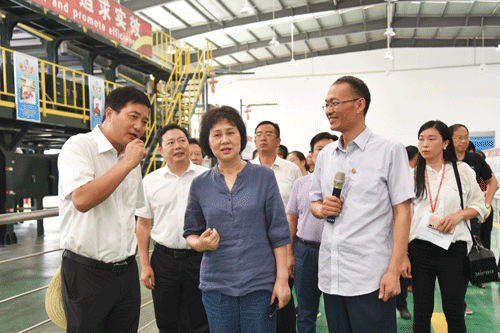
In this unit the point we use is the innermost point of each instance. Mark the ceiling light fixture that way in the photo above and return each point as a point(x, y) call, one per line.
point(389, 32)
point(274, 41)
point(247, 8)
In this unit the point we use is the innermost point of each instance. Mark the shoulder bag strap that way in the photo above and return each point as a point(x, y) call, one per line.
point(459, 184)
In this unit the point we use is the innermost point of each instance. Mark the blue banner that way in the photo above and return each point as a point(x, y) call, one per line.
point(96, 94)
point(27, 88)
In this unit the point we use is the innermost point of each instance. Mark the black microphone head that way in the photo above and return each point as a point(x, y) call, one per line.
point(339, 180)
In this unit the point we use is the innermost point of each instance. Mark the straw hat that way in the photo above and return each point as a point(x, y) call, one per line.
point(54, 301)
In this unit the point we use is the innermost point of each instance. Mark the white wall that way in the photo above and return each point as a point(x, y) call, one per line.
point(425, 84)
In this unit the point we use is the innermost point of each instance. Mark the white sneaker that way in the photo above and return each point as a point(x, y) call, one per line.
point(468, 311)
point(318, 315)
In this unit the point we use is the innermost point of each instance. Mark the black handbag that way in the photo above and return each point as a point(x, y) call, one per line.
point(482, 264)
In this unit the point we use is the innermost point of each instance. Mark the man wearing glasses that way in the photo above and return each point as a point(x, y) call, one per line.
point(267, 141)
point(361, 252)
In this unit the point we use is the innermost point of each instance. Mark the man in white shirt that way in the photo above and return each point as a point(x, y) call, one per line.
point(362, 250)
point(99, 190)
point(173, 274)
point(196, 153)
point(267, 141)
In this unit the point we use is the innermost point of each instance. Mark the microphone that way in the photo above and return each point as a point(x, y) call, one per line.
point(338, 182)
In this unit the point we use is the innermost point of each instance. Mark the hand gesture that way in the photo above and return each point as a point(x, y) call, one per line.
point(134, 153)
point(208, 241)
point(447, 224)
point(406, 268)
point(281, 291)
point(389, 286)
point(148, 277)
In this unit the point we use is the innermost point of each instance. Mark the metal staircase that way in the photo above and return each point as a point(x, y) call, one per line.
point(182, 93)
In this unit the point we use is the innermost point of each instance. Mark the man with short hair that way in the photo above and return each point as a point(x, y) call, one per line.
point(267, 141)
point(282, 151)
point(99, 189)
point(362, 250)
point(173, 274)
point(486, 180)
point(196, 153)
point(306, 231)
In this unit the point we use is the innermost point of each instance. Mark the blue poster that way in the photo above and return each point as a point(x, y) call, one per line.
point(27, 89)
point(96, 94)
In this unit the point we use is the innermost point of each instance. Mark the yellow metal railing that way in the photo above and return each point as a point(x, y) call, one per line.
point(70, 95)
point(166, 48)
point(183, 103)
point(63, 90)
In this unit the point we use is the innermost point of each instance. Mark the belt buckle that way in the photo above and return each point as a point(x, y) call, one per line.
point(180, 255)
point(119, 267)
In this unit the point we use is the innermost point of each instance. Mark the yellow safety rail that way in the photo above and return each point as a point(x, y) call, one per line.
point(166, 48)
point(63, 90)
point(193, 90)
point(70, 95)
point(183, 102)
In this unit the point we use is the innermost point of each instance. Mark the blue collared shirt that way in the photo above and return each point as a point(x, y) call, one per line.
point(251, 222)
point(356, 250)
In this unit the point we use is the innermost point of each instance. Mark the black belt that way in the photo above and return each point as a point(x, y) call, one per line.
point(314, 245)
point(113, 267)
point(177, 253)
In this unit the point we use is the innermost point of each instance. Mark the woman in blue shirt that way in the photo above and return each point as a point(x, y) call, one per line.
point(235, 215)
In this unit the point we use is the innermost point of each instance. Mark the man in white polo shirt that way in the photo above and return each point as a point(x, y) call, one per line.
point(267, 141)
point(99, 190)
point(173, 274)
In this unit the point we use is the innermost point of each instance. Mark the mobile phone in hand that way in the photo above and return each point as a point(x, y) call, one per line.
point(273, 308)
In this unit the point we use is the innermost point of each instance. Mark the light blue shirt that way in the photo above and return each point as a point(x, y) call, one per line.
point(356, 250)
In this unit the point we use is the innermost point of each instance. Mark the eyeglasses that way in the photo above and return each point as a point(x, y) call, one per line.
point(335, 105)
point(268, 134)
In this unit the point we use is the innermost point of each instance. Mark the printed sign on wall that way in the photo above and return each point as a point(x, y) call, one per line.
point(27, 90)
point(96, 98)
point(109, 19)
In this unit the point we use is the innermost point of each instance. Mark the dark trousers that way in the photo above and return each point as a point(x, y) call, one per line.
point(285, 318)
point(96, 300)
point(360, 314)
point(485, 233)
point(177, 279)
point(429, 261)
point(401, 298)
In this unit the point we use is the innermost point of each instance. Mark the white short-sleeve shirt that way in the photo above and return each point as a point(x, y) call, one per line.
point(107, 231)
point(166, 196)
point(286, 174)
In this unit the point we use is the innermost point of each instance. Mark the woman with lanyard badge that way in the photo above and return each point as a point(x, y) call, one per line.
point(439, 237)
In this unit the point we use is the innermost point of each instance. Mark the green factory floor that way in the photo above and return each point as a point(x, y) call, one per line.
point(28, 274)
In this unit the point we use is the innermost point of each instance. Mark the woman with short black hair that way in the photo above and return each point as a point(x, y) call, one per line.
point(235, 216)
